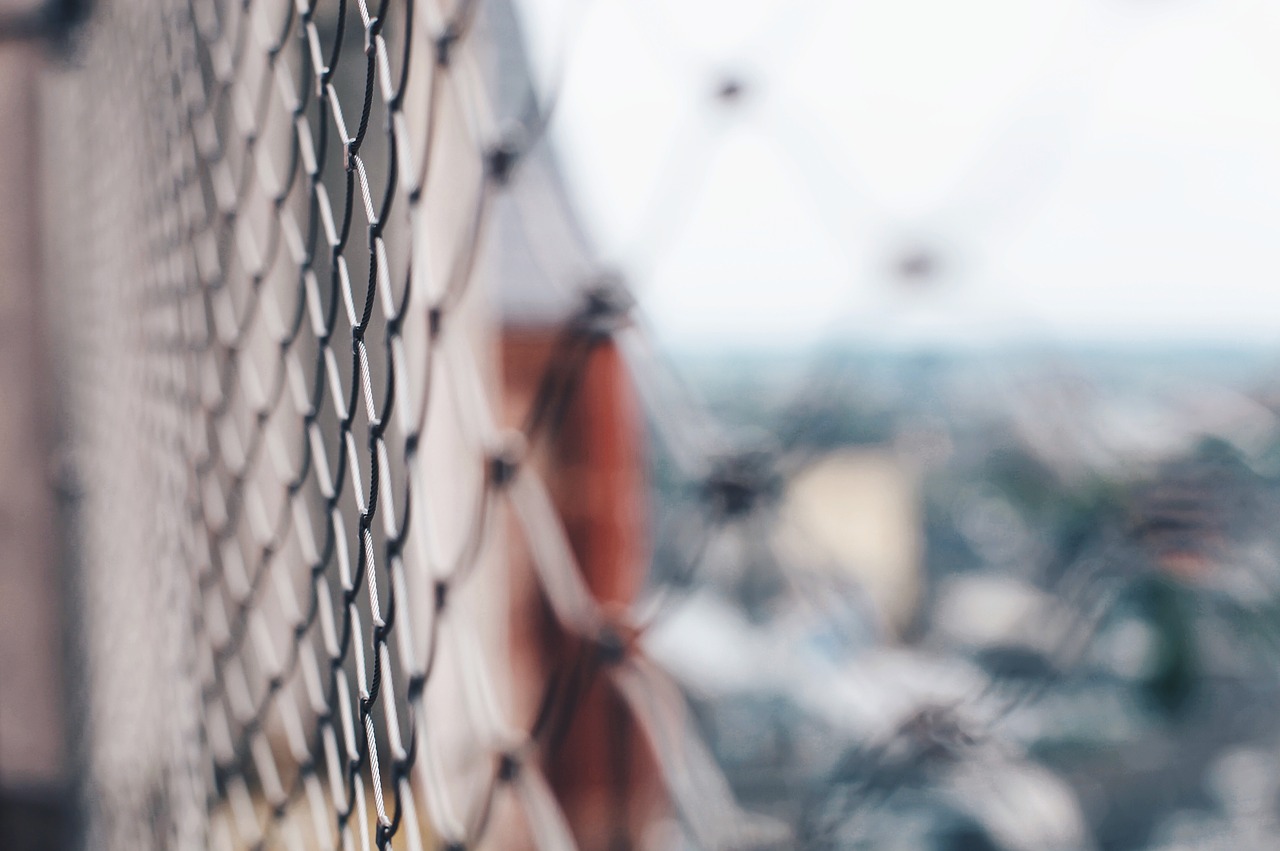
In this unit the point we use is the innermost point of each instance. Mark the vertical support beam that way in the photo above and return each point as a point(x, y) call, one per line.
point(33, 773)
point(601, 770)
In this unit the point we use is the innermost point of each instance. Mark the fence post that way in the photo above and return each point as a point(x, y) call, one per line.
point(34, 802)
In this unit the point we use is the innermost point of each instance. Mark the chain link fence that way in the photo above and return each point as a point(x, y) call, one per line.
point(294, 475)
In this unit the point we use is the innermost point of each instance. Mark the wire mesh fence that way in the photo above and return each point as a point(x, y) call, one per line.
point(291, 459)
point(397, 530)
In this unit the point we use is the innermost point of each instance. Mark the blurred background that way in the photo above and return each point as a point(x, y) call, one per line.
point(985, 291)
point(931, 449)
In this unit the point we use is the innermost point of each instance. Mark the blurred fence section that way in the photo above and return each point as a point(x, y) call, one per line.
point(639, 425)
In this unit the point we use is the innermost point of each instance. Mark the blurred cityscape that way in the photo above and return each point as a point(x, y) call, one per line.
point(1042, 608)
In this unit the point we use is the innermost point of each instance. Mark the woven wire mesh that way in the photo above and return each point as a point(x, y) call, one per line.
point(286, 431)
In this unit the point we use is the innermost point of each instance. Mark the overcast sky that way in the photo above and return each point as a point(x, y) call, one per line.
point(1076, 169)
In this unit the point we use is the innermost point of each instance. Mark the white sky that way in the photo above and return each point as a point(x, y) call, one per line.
point(1084, 169)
